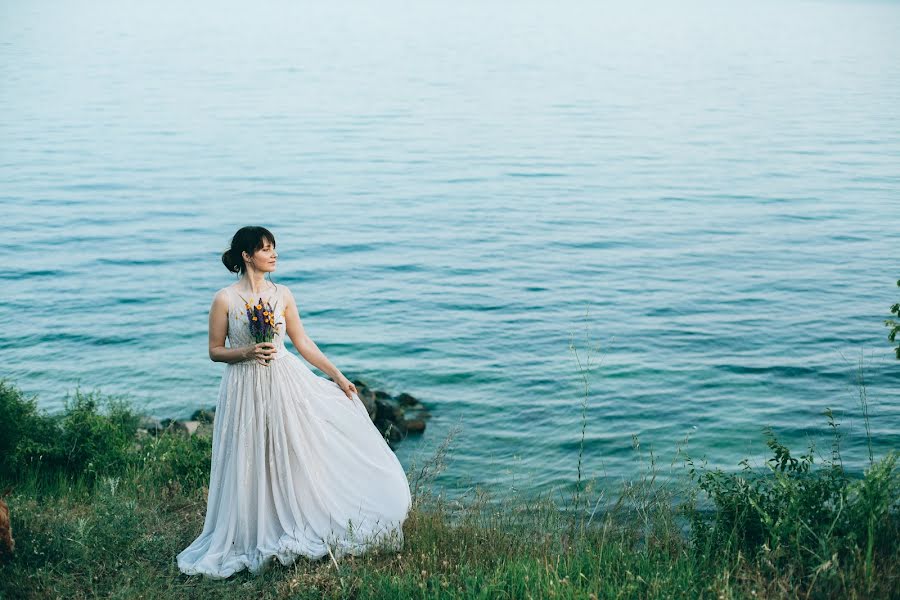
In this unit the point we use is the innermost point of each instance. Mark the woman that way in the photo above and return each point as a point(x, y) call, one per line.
point(298, 467)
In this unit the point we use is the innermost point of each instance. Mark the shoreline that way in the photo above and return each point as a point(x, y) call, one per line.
point(99, 510)
point(395, 416)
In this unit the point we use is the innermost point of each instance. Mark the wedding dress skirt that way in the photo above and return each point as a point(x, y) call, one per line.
point(298, 468)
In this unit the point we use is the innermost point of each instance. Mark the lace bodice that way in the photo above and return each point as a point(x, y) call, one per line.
point(238, 327)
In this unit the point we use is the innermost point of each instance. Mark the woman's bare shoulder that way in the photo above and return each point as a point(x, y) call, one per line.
point(222, 296)
point(286, 292)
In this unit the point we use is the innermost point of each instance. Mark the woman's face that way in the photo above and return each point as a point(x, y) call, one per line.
point(265, 258)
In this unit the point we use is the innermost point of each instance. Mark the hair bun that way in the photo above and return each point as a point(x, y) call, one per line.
point(229, 262)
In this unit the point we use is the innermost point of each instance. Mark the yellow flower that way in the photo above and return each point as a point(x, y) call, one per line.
point(258, 307)
point(266, 313)
point(254, 318)
point(247, 305)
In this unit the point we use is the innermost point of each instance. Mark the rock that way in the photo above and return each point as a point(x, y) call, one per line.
point(407, 400)
point(189, 427)
point(395, 417)
point(414, 425)
point(393, 433)
point(384, 410)
point(417, 413)
point(150, 424)
point(367, 396)
point(204, 415)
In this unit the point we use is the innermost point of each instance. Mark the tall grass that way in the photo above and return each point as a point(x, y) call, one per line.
point(107, 519)
point(585, 369)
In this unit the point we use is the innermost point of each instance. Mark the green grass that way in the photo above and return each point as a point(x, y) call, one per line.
point(98, 512)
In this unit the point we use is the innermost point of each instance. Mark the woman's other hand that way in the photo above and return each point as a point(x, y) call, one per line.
point(347, 386)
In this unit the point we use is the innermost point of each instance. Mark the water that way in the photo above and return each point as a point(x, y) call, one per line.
point(709, 192)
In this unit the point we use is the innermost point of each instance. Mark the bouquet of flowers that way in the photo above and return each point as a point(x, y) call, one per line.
point(261, 317)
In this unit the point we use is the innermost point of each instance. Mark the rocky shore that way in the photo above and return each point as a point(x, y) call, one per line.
point(395, 416)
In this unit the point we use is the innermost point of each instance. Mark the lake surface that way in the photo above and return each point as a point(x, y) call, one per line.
point(709, 192)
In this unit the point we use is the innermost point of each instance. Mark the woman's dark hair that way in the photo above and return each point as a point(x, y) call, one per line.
point(247, 239)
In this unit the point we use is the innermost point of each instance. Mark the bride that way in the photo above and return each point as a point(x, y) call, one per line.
point(298, 467)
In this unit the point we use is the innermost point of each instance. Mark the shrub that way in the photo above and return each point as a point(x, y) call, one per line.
point(26, 433)
point(795, 513)
point(894, 325)
point(91, 436)
point(174, 459)
point(95, 442)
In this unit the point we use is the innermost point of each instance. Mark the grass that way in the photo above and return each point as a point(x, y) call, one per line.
point(98, 512)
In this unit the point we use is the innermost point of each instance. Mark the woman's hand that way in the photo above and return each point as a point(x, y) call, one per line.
point(346, 385)
point(260, 352)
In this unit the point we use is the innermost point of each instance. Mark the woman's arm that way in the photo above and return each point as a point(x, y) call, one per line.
point(218, 330)
point(305, 346)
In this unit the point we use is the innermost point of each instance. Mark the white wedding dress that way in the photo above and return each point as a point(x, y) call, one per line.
point(297, 467)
